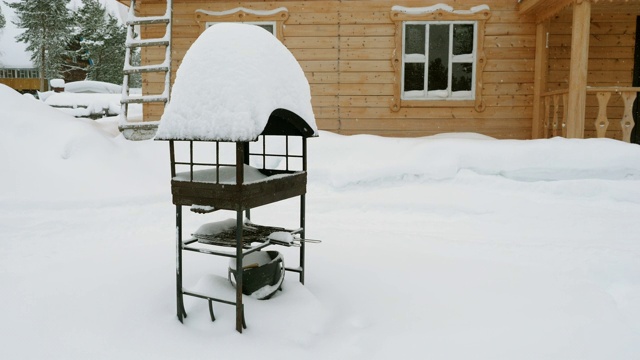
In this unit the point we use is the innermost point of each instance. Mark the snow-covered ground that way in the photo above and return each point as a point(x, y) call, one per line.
point(449, 247)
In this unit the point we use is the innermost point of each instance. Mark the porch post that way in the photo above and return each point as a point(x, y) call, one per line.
point(578, 68)
point(540, 81)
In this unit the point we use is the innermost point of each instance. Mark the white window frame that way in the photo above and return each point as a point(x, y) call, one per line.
point(450, 94)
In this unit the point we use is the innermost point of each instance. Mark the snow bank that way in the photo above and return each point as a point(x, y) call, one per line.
point(231, 79)
point(85, 104)
point(49, 155)
point(90, 86)
point(368, 159)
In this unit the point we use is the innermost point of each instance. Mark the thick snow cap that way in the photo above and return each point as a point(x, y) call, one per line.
point(231, 81)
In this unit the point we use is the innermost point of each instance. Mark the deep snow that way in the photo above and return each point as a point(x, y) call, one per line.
point(449, 247)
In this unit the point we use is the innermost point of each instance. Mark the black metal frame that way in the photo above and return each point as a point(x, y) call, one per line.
point(239, 204)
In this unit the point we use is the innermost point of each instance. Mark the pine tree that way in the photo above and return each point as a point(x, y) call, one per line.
point(47, 33)
point(102, 42)
point(2, 21)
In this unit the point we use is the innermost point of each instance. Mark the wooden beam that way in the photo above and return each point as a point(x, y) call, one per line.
point(578, 69)
point(540, 78)
point(543, 9)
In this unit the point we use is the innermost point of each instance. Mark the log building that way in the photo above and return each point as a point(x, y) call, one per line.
point(505, 68)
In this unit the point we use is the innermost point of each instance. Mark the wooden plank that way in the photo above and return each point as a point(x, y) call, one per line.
point(315, 54)
point(325, 65)
point(322, 77)
point(367, 78)
point(448, 125)
point(515, 65)
point(599, 52)
point(618, 64)
point(323, 89)
point(598, 78)
point(510, 41)
point(312, 30)
point(324, 101)
point(616, 40)
point(364, 17)
point(366, 65)
point(367, 30)
point(504, 89)
point(328, 124)
point(368, 90)
point(311, 42)
point(508, 77)
point(439, 113)
point(385, 101)
point(364, 101)
point(516, 28)
point(297, 18)
point(364, 42)
point(366, 54)
point(509, 53)
point(597, 28)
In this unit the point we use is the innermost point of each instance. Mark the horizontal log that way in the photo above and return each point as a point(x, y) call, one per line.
point(438, 113)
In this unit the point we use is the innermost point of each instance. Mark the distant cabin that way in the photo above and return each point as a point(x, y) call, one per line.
point(504, 68)
point(21, 79)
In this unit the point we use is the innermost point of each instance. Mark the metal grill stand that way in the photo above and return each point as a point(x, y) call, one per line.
point(203, 189)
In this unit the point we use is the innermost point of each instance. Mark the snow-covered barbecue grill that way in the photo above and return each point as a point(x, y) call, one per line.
point(237, 124)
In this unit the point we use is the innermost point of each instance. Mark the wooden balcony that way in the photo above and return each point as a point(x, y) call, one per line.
point(556, 111)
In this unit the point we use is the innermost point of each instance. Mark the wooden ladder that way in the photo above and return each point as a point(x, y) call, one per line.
point(136, 129)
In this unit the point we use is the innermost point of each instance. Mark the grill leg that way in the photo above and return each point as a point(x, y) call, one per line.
point(239, 271)
point(179, 297)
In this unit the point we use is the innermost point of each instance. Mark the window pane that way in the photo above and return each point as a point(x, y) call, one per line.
point(413, 76)
point(462, 39)
point(438, 57)
point(267, 27)
point(462, 75)
point(414, 40)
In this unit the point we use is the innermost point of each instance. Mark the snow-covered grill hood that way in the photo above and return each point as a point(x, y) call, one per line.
point(236, 82)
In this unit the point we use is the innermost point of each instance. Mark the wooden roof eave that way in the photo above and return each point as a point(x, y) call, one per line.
point(542, 10)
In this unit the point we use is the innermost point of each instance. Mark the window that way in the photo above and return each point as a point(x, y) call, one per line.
point(438, 60)
point(439, 56)
point(2, 74)
point(270, 26)
point(270, 20)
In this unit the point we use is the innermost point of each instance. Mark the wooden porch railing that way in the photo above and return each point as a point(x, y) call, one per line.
point(555, 111)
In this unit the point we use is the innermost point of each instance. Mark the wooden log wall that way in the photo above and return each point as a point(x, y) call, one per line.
point(611, 57)
point(345, 48)
point(23, 85)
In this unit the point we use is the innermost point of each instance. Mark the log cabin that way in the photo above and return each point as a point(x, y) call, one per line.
point(21, 79)
point(510, 69)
